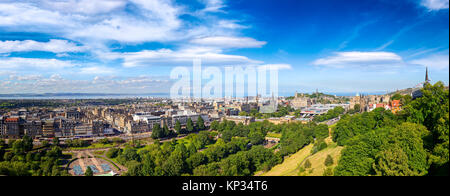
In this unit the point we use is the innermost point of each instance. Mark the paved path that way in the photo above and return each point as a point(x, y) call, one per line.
point(81, 161)
point(94, 160)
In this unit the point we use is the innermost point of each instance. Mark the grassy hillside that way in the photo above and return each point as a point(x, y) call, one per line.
point(293, 165)
point(290, 165)
point(318, 160)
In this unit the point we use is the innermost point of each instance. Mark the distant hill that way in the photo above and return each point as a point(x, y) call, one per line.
point(407, 91)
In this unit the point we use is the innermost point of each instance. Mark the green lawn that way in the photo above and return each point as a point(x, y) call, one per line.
point(94, 145)
point(274, 135)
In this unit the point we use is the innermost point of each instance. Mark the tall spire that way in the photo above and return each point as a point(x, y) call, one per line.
point(427, 80)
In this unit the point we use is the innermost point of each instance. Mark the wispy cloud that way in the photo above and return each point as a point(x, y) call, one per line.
point(360, 59)
point(435, 61)
point(434, 5)
point(18, 63)
point(229, 42)
point(54, 45)
point(97, 70)
point(182, 57)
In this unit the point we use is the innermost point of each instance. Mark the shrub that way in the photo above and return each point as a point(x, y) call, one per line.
point(307, 164)
point(329, 161)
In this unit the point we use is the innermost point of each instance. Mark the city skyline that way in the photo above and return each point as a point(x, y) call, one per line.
point(119, 46)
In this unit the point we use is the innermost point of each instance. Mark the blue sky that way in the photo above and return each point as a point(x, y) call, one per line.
point(130, 46)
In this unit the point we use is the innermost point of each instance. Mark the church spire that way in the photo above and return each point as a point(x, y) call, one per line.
point(427, 80)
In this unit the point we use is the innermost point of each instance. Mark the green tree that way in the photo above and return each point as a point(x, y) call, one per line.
point(328, 171)
point(55, 141)
point(112, 153)
point(88, 172)
point(329, 161)
point(178, 126)
point(28, 143)
point(156, 131)
point(432, 111)
point(393, 162)
point(307, 164)
point(190, 125)
point(215, 125)
point(200, 124)
point(166, 131)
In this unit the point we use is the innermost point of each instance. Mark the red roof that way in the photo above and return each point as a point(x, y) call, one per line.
point(396, 103)
point(12, 120)
point(380, 105)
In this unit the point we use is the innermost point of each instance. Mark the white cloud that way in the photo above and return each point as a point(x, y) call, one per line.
point(84, 6)
point(25, 77)
point(437, 61)
point(434, 5)
point(229, 42)
point(89, 21)
point(97, 70)
point(360, 59)
point(230, 24)
point(54, 45)
point(180, 57)
point(276, 66)
point(15, 63)
point(213, 5)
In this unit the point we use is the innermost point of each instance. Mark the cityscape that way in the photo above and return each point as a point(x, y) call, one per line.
point(222, 88)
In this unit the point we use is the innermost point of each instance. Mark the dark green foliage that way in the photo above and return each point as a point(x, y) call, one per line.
point(307, 164)
point(329, 161)
point(380, 143)
point(113, 153)
point(190, 126)
point(88, 172)
point(104, 141)
point(296, 135)
point(200, 124)
point(243, 163)
point(177, 127)
point(432, 110)
point(22, 161)
point(364, 152)
point(351, 126)
point(318, 146)
point(157, 132)
point(76, 143)
point(328, 171)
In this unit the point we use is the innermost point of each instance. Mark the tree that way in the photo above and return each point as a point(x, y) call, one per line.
point(328, 171)
point(175, 165)
point(112, 153)
point(329, 161)
point(190, 125)
point(166, 131)
point(88, 172)
point(28, 143)
point(393, 162)
point(215, 125)
point(18, 147)
point(307, 164)
point(256, 137)
point(432, 111)
point(357, 108)
point(200, 124)
point(44, 143)
point(178, 127)
point(55, 141)
point(373, 153)
point(156, 131)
